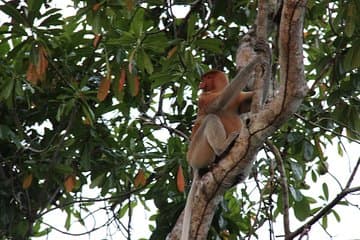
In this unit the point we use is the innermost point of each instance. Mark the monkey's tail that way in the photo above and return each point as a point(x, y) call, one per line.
point(185, 234)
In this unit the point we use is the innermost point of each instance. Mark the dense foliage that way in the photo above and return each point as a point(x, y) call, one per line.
point(106, 98)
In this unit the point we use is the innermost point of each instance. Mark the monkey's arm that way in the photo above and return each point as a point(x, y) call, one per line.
point(262, 77)
point(236, 85)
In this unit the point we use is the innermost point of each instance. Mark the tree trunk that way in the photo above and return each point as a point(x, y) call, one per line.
point(262, 122)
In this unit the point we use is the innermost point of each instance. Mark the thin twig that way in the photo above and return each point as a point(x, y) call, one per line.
point(77, 234)
point(284, 185)
point(261, 200)
point(330, 12)
point(351, 178)
point(129, 215)
point(62, 139)
point(323, 212)
point(150, 121)
point(161, 101)
point(124, 195)
point(325, 129)
point(320, 76)
point(53, 196)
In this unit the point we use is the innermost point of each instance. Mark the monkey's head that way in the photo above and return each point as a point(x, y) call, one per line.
point(213, 80)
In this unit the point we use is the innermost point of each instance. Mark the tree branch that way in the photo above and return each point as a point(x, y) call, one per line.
point(77, 234)
point(325, 129)
point(262, 17)
point(123, 196)
point(261, 200)
point(150, 121)
point(292, 82)
point(347, 190)
point(234, 167)
point(322, 212)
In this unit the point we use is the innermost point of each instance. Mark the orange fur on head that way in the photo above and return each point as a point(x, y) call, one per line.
point(213, 83)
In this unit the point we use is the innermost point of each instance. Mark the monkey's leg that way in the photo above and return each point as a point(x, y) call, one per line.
point(216, 135)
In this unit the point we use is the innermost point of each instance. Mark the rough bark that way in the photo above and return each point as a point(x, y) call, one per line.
point(233, 168)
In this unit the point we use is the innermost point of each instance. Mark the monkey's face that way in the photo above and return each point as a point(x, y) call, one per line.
point(207, 83)
point(213, 81)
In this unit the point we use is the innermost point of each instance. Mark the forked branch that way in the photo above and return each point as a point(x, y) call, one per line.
point(263, 121)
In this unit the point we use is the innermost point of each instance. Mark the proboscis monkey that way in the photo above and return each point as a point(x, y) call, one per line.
point(217, 125)
point(224, 125)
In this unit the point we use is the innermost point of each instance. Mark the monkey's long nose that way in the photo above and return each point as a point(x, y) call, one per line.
point(201, 85)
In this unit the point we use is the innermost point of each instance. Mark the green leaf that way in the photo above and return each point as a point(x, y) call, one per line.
point(334, 98)
point(297, 170)
point(21, 228)
point(123, 210)
point(63, 169)
point(352, 120)
point(14, 13)
point(19, 48)
point(7, 134)
point(67, 224)
point(336, 215)
point(315, 210)
point(356, 56)
point(88, 112)
point(296, 194)
point(325, 191)
point(340, 149)
point(34, 5)
point(155, 42)
point(211, 44)
point(160, 78)
point(125, 39)
point(98, 181)
point(294, 137)
point(324, 222)
point(173, 146)
point(350, 20)
point(146, 62)
point(191, 27)
point(313, 176)
point(348, 59)
point(308, 151)
point(302, 209)
point(50, 11)
point(97, 23)
point(132, 83)
point(352, 57)
point(344, 203)
point(42, 233)
point(52, 20)
point(137, 22)
point(7, 88)
point(77, 214)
